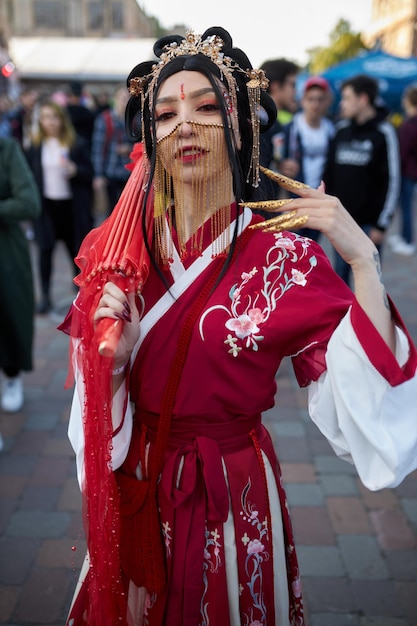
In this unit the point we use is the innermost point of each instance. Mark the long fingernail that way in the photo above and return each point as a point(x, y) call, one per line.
point(275, 220)
point(289, 224)
point(267, 205)
point(125, 316)
point(284, 181)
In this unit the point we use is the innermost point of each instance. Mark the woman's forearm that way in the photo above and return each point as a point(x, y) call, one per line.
point(371, 295)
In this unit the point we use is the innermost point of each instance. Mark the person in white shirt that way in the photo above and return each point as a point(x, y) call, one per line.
point(63, 172)
point(308, 135)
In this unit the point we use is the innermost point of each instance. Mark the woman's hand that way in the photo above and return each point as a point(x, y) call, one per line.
point(69, 167)
point(116, 304)
point(327, 214)
point(315, 209)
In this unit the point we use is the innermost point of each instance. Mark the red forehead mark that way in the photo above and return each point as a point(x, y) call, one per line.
point(182, 95)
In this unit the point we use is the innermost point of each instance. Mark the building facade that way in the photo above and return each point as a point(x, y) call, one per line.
point(74, 18)
point(52, 42)
point(393, 27)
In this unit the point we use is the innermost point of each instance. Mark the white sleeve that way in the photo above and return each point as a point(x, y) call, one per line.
point(366, 420)
point(121, 440)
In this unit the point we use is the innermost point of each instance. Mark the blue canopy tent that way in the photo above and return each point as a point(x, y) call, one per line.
point(393, 74)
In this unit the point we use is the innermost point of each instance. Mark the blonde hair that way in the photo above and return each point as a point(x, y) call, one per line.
point(67, 134)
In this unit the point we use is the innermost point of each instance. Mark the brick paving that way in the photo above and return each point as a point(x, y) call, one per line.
point(357, 549)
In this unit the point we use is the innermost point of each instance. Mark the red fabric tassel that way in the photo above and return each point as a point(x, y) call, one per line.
point(114, 251)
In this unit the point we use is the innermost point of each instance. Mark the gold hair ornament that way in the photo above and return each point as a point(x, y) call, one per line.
point(136, 85)
point(211, 47)
point(257, 81)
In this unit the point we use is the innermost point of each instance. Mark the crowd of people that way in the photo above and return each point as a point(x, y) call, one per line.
point(75, 147)
point(67, 155)
point(358, 153)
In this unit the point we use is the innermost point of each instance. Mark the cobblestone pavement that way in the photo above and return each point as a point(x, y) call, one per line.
point(357, 549)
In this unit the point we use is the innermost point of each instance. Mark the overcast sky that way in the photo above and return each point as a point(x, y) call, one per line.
point(265, 29)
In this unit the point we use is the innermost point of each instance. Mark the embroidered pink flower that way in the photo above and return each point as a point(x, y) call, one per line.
point(256, 315)
point(298, 277)
point(254, 515)
point(284, 242)
point(255, 547)
point(242, 326)
point(296, 587)
point(249, 275)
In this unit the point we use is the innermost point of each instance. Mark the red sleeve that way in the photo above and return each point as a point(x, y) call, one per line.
point(378, 351)
point(325, 301)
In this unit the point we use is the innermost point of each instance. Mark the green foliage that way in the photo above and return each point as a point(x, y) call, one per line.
point(343, 45)
point(157, 30)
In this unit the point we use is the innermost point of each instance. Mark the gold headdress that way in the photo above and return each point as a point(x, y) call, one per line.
point(192, 44)
point(211, 47)
point(220, 193)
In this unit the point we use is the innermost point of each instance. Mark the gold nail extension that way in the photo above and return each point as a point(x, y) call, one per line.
point(283, 181)
point(284, 217)
point(291, 224)
point(267, 205)
point(274, 226)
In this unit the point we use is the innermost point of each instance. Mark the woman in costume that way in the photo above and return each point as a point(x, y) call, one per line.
point(219, 299)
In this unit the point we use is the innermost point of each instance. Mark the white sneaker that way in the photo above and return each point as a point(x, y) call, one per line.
point(404, 248)
point(12, 394)
point(394, 240)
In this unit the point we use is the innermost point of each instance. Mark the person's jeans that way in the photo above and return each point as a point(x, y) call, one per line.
point(406, 206)
point(341, 267)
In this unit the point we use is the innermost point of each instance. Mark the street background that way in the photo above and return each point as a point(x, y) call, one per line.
point(357, 549)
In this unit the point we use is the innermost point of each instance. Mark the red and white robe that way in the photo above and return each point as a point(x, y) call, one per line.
point(230, 551)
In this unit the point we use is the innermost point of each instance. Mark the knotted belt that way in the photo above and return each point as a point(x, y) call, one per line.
point(194, 483)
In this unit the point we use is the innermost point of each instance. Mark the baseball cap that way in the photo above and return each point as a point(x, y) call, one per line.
point(316, 81)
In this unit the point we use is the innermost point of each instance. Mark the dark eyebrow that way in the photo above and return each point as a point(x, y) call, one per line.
point(194, 94)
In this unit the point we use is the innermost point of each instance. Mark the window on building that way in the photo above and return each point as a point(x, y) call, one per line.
point(95, 16)
point(49, 14)
point(117, 15)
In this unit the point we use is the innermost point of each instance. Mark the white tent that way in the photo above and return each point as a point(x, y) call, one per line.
point(77, 58)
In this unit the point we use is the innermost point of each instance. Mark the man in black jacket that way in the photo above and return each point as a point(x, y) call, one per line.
point(363, 165)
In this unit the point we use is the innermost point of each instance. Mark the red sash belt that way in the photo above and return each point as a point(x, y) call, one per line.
point(194, 483)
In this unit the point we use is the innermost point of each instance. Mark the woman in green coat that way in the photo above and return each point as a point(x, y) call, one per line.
point(19, 201)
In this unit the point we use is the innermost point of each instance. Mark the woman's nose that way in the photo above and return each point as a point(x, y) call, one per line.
point(185, 128)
